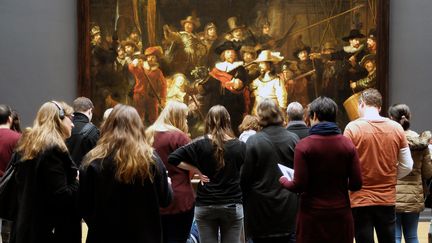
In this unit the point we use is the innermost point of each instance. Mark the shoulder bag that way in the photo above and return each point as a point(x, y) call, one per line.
point(8, 192)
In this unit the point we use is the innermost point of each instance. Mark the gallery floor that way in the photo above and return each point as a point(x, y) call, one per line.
point(423, 230)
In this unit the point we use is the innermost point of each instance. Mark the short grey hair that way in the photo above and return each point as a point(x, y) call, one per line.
point(295, 111)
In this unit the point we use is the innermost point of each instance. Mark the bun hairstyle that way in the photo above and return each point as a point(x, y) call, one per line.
point(401, 114)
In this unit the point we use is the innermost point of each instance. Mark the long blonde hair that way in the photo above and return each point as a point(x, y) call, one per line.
point(218, 125)
point(172, 118)
point(47, 131)
point(123, 139)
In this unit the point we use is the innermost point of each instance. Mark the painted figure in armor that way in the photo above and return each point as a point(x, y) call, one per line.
point(193, 49)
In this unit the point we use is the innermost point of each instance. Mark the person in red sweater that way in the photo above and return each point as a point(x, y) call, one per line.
point(8, 137)
point(326, 166)
point(150, 85)
point(168, 133)
point(8, 140)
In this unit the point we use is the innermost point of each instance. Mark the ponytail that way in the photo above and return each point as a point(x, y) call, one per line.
point(401, 114)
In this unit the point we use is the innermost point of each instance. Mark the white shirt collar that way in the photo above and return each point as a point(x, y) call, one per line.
point(227, 66)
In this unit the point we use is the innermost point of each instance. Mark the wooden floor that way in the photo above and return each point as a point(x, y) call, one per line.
point(423, 230)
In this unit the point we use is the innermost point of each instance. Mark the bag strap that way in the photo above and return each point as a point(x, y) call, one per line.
point(13, 161)
point(10, 167)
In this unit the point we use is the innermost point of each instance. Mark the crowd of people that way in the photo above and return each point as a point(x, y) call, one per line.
point(132, 183)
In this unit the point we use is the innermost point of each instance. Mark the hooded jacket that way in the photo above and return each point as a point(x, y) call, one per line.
point(409, 189)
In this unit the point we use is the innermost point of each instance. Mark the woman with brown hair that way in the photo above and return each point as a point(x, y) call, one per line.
point(16, 124)
point(270, 211)
point(46, 180)
point(409, 189)
point(123, 183)
point(248, 127)
point(168, 133)
point(219, 155)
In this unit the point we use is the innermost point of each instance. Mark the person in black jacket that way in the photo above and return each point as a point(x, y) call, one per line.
point(84, 134)
point(270, 211)
point(296, 123)
point(123, 182)
point(46, 180)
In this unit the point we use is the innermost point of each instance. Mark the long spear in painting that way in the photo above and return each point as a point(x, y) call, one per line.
point(325, 20)
point(152, 88)
point(117, 15)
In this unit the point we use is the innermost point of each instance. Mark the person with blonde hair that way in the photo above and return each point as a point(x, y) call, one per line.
point(123, 182)
point(46, 180)
point(168, 133)
point(219, 155)
point(106, 114)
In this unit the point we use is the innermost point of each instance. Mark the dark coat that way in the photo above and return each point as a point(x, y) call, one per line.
point(348, 72)
point(300, 129)
point(215, 94)
point(47, 191)
point(81, 142)
point(117, 212)
point(270, 210)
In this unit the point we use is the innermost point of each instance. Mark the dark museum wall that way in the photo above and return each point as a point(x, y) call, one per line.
point(38, 55)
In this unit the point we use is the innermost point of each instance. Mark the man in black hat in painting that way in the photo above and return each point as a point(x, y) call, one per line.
point(351, 55)
point(238, 33)
point(226, 82)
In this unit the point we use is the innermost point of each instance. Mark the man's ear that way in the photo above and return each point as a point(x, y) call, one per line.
point(313, 118)
point(90, 113)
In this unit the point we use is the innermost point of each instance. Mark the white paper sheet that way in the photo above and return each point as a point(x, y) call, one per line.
point(286, 171)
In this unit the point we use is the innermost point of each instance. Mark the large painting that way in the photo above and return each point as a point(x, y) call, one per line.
point(234, 53)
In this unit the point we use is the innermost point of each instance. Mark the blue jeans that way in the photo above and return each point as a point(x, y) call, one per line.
point(382, 218)
point(226, 219)
point(408, 223)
